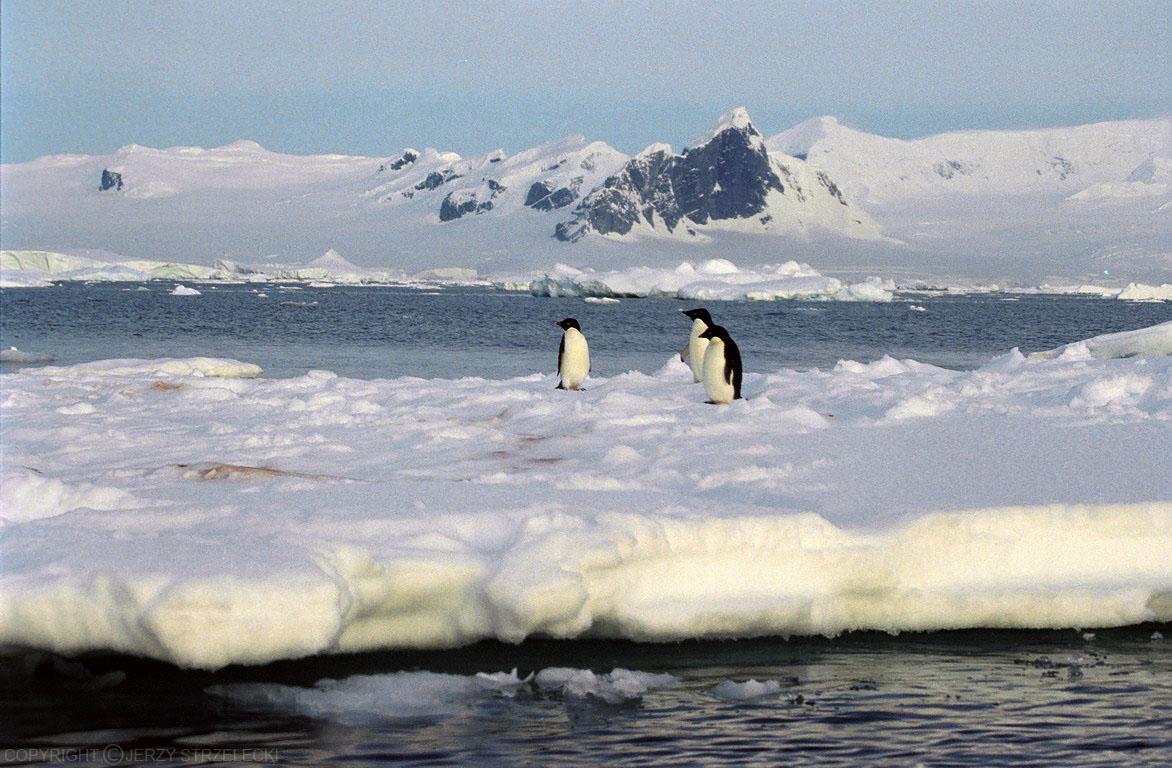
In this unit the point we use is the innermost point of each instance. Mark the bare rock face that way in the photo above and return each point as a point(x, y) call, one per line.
point(465, 201)
point(727, 177)
point(543, 197)
point(110, 180)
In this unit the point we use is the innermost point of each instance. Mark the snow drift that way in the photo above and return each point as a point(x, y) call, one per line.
point(208, 520)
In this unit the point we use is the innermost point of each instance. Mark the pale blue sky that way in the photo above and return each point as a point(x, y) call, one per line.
point(370, 78)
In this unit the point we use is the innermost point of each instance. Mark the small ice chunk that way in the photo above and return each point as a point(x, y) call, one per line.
point(183, 290)
point(15, 356)
point(750, 690)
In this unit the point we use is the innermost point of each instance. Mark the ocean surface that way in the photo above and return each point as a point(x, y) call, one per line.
point(387, 332)
point(987, 697)
point(976, 698)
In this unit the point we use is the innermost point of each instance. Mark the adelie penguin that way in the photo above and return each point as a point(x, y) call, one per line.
point(573, 355)
point(693, 353)
point(722, 366)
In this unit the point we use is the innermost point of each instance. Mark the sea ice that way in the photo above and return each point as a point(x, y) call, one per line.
point(203, 519)
point(750, 690)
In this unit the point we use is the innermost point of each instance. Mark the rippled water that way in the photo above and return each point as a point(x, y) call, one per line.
point(962, 698)
point(384, 332)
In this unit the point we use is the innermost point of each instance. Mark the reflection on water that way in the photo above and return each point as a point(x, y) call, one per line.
point(962, 698)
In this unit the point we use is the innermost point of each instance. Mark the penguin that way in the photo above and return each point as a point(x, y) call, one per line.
point(722, 366)
point(693, 353)
point(573, 355)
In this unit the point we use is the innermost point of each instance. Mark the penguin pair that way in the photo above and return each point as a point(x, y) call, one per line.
point(713, 357)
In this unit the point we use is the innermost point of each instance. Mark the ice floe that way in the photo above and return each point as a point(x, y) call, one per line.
point(750, 690)
point(364, 699)
point(1155, 341)
point(404, 513)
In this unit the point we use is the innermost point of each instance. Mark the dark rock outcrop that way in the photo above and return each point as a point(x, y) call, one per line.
point(436, 178)
point(543, 197)
point(728, 177)
point(110, 180)
point(465, 201)
point(407, 158)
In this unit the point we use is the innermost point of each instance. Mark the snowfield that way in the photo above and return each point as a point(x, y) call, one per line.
point(159, 509)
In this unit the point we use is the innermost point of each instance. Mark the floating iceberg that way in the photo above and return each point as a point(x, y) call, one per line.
point(154, 508)
point(712, 280)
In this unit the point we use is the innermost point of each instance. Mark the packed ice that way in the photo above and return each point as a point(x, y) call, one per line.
point(196, 512)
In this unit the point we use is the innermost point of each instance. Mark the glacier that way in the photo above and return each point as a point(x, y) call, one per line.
point(196, 512)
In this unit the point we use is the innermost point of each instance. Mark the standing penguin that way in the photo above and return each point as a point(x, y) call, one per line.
point(722, 366)
point(693, 353)
point(573, 355)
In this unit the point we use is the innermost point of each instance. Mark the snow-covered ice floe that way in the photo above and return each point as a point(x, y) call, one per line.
point(208, 520)
point(18, 357)
point(1155, 341)
point(712, 280)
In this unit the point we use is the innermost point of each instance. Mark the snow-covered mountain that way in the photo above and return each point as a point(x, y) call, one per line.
point(730, 178)
point(1068, 202)
point(875, 169)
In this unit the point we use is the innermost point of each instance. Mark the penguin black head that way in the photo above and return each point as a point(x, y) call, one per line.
point(699, 313)
point(569, 323)
point(715, 332)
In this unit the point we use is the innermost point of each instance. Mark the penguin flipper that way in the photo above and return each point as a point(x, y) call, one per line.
point(684, 354)
point(561, 351)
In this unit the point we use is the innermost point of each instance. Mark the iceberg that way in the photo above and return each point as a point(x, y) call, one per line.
point(711, 280)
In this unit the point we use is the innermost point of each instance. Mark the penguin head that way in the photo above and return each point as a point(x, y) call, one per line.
point(715, 332)
point(569, 323)
point(699, 313)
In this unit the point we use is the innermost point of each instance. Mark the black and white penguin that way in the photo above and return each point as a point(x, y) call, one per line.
point(573, 355)
point(722, 366)
point(693, 353)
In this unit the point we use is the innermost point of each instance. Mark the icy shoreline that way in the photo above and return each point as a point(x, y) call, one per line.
point(710, 280)
point(175, 510)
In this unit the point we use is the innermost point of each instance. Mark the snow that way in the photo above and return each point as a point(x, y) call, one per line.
point(156, 508)
point(161, 367)
point(1155, 341)
point(1141, 292)
point(736, 118)
point(711, 280)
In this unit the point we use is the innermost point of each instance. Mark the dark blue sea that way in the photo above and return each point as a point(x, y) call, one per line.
point(388, 332)
point(975, 698)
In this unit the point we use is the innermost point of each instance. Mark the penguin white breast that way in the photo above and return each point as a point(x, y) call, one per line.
point(696, 348)
point(718, 389)
point(575, 359)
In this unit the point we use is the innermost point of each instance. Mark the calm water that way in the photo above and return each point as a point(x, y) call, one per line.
point(969, 698)
point(964, 698)
point(381, 332)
